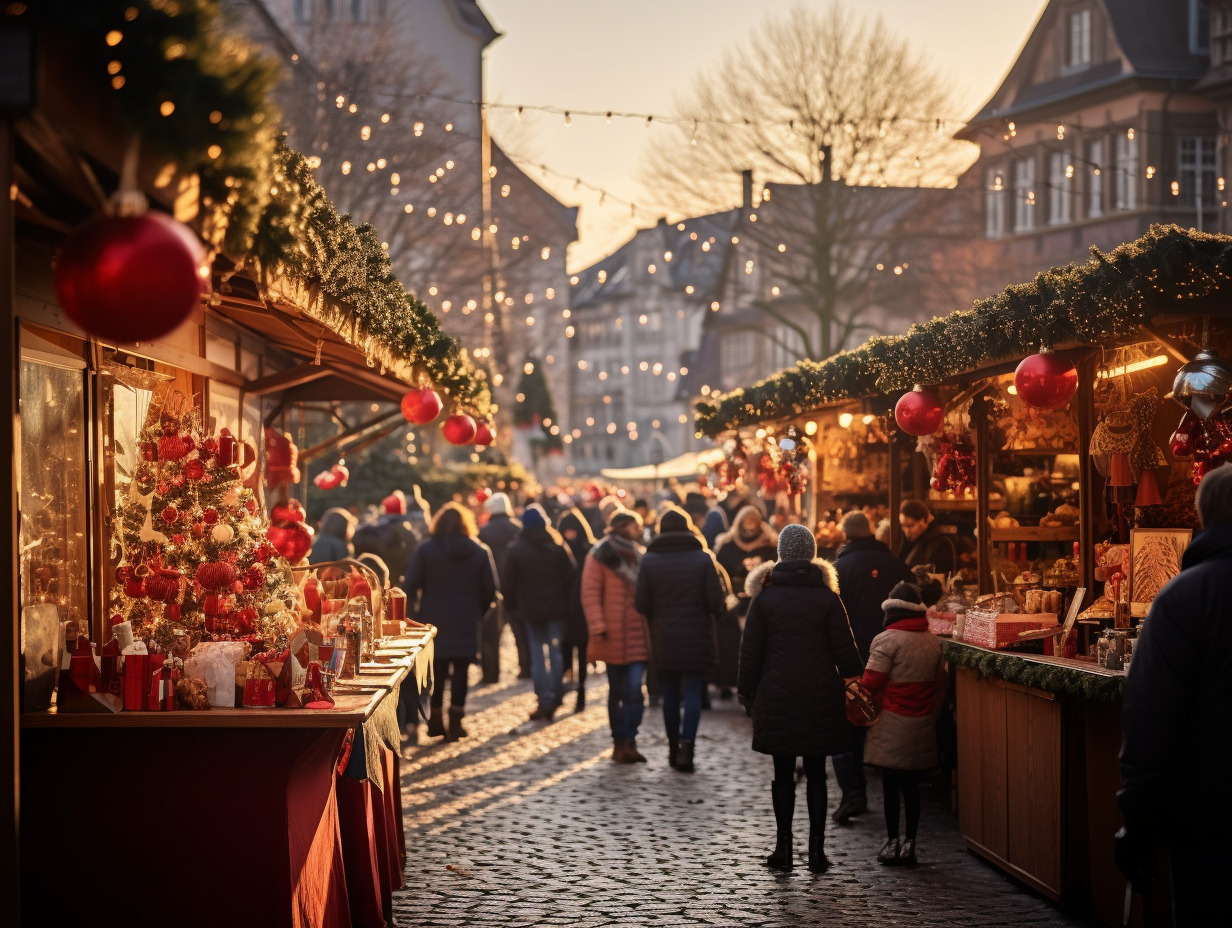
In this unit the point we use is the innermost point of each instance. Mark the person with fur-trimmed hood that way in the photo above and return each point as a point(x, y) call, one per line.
point(749, 543)
point(904, 664)
point(796, 657)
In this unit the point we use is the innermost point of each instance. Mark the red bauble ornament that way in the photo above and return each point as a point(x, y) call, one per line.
point(171, 515)
point(177, 539)
point(210, 516)
point(459, 429)
point(131, 278)
point(482, 495)
point(327, 480)
point(215, 576)
point(194, 470)
point(172, 447)
point(254, 577)
point(1046, 380)
point(198, 530)
point(421, 406)
point(483, 434)
point(292, 540)
point(290, 511)
point(919, 412)
point(134, 589)
point(1182, 441)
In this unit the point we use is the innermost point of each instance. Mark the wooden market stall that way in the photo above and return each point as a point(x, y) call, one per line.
point(1080, 482)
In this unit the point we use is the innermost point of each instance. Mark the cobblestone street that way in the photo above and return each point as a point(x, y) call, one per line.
point(527, 823)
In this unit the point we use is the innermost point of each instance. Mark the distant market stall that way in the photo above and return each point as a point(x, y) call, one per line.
point(1064, 423)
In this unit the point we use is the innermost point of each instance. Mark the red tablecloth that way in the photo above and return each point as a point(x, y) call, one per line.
point(372, 842)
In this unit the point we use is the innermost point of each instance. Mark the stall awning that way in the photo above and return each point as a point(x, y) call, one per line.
point(683, 466)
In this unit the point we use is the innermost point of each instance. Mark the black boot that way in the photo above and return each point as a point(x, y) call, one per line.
point(684, 760)
point(581, 698)
point(673, 751)
point(456, 730)
point(436, 724)
point(816, 796)
point(783, 798)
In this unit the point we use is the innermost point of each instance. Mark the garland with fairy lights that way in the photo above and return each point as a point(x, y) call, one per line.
point(1040, 675)
point(1098, 302)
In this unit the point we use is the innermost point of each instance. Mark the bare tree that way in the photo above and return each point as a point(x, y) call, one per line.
point(835, 115)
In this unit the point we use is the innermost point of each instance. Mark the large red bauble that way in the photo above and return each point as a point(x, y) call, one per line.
point(459, 429)
point(1046, 380)
point(131, 278)
point(292, 541)
point(919, 412)
point(483, 434)
point(421, 406)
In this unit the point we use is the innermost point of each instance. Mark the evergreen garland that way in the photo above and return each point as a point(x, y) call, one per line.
point(1040, 675)
point(1095, 303)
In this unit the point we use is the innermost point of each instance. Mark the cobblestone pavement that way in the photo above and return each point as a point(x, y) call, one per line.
point(528, 823)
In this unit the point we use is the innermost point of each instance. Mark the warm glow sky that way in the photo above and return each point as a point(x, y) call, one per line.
point(633, 55)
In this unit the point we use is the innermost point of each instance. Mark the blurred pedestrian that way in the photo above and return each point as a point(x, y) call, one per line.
point(539, 574)
point(451, 584)
point(392, 537)
point(680, 592)
point(333, 539)
point(749, 543)
point(575, 530)
point(905, 670)
point(499, 533)
point(867, 572)
point(796, 654)
point(713, 525)
point(618, 634)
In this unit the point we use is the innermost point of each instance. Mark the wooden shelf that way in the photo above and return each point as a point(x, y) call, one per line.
point(1036, 533)
point(950, 505)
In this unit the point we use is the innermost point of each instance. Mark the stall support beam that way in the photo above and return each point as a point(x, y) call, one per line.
point(1088, 487)
point(982, 508)
point(896, 490)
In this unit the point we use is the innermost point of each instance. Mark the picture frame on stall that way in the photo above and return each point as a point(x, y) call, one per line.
point(1154, 559)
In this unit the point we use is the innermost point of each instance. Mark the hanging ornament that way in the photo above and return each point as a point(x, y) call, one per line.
point(919, 412)
point(342, 472)
point(483, 433)
point(215, 576)
point(459, 429)
point(281, 459)
point(482, 495)
point(327, 480)
point(1202, 385)
point(421, 406)
point(287, 533)
point(222, 533)
point(1046, 380)
point(131, 278)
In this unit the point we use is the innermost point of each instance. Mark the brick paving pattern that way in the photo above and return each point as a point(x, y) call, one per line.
point(531, 824)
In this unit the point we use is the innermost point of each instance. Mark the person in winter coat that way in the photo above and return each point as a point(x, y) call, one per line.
point(538, 578)
point(796, 654)
point(451, 583)
point(713, 525)
point(392, 537)
point(903, 669)
point(575, 530)
point(617, 630)
point(750, 543)
point(1176, 757)
point(681, 593)
point(499, 533)
point(867, 572)
point(925, 543)
point(333, 540)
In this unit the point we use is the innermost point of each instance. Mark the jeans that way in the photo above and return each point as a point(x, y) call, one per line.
point(849, 767)
point(624, 698)
point(547, 677)
point(1198, 897)
point(676, 685)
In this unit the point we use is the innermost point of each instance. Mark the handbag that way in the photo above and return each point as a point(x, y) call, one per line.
point(863, 708)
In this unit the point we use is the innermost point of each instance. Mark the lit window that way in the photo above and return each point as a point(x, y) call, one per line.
point(1079, 39)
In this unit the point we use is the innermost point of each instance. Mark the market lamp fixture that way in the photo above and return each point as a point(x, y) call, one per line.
point(1202, 385)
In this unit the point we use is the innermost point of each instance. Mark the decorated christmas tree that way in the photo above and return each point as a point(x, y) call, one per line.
point(190, 539)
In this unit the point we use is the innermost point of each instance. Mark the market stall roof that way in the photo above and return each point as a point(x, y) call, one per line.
point(1168, 271)
point(685, 465)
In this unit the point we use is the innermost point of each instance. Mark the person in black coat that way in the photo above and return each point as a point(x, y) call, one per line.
point(925, 543)
point(680, 591)
point(539, 576)
point(867, 571)
point(1176, 756)
point(575, 530)
point(750, 543)
point(451, 583)
point(797, 652)
point(499, 533)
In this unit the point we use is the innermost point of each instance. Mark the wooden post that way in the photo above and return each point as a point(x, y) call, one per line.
point(983, 477)
point(1088, 488)
point(896, 488)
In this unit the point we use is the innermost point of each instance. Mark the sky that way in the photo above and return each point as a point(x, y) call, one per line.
point(636, 55)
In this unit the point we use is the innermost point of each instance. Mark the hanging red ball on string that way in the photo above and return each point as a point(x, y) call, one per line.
point(459, 429)
point(1046, 380)
point(919, 412)
point(483, 434)
point(131, 278)
point(421, 406)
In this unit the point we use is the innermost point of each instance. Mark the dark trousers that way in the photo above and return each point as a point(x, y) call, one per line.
point(568, 650)
point(456, 669)
point(814, 768)
point(849, 767)
point(1199, 898)
point(906, 782)
point(678, 687)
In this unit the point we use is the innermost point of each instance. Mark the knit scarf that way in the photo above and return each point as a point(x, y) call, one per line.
point(621, 555)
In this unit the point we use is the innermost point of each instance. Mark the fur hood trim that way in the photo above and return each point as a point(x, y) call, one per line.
point(903, 604)
point(755, 582)
point(768, 535)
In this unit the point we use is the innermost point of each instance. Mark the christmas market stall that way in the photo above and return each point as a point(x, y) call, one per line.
point(191, 696)
point(1061, 426)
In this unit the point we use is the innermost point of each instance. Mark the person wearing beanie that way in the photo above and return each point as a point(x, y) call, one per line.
point(575, 530)
point(749, 543)
point(538, 579)
point(867, 572)
point(795, 659)
point(499, 533)
point(681, 591)
point(391, 536)
point(617, 631)
point(906, 673)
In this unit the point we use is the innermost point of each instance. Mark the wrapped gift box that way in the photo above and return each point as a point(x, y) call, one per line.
point(941, 623)
point(997, 630)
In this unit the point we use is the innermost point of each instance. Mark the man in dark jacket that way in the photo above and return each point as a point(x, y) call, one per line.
point(538, 580)
point(867, 571)
point(392, 537)
point(498, 534)
point(1176, 757)
point(925, 543)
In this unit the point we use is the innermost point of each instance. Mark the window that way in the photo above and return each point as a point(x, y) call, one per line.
point(357, 11)
point(994, 202)
point(736, 352)
point(1060, 188)
point(303, 11)
point(1221, 36)
point(1126, 171)
point(1024, 195)
point(1199, 27)
point(1079, 40)
point(1196, 170)
point(1095, 179)
point(329, 10)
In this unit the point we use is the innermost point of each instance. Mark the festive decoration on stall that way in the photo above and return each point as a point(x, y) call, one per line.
point(421, 406)
point(459, 429)
point(1122, 448)
point(952, 455)
point(483, 434)
point(1202, 385)
point(729, 472)
point(288, 533)
point(336, 476)
point(919, 412)
point(1050, 678)
point(793, 462)
point(1046, 380)
point(281, 459)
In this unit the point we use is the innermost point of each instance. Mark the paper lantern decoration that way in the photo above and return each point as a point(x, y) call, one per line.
point(281, 459)
point(1202, 385)
point(421, 406)
point(215, 575)
point(919, 412)
point(459, 429)
point(131, 278)
point(483, 434)
point(1046, 380)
